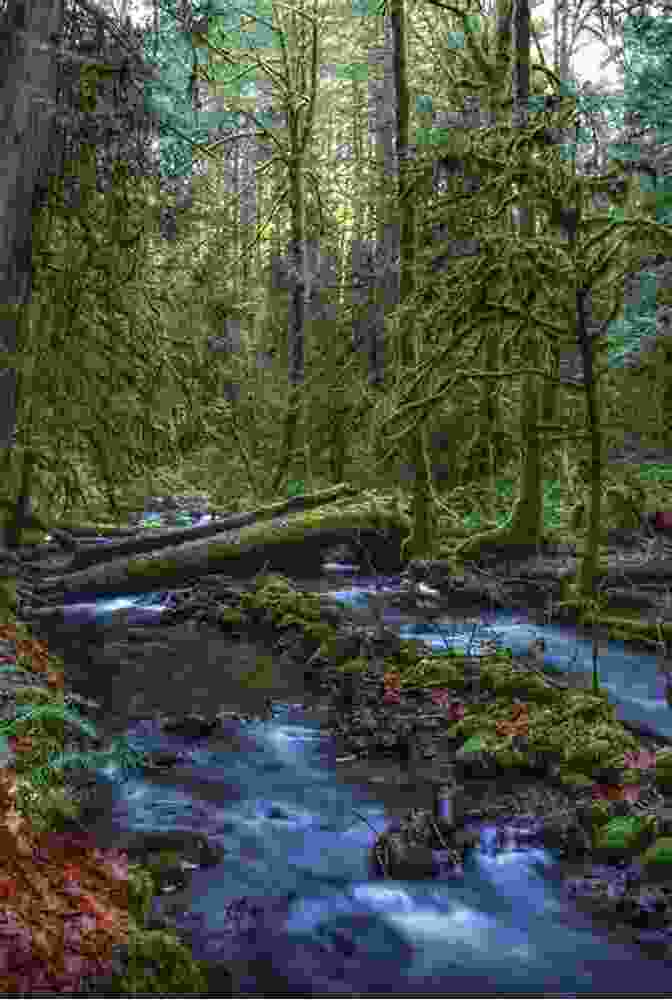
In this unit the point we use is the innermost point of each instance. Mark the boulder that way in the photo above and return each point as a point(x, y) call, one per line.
point(623, 837)
point(656, 860)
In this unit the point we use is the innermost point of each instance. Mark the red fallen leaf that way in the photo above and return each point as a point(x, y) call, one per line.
point(72, 872)
point(20, 744)
point(455, 709)
point(663, 520)
point(639, 758)
point(8, 888)
point(517, 725)
point(392, 697)
point(617, 793)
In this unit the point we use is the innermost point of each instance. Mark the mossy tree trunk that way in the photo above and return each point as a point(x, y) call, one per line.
point(421, 539)
point(588, 568)
point(526, 524)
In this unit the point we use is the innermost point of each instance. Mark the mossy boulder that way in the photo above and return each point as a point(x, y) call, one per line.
point(141, 888)
point(623, 837)
point(574, 779)
point(231, 618)
point(663, 770)
point(657, 859)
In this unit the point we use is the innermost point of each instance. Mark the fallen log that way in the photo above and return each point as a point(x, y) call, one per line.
point(293, 544)
point(166, 537)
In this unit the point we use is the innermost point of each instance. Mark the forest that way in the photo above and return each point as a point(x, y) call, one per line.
point(396, 250)
point(334, 278)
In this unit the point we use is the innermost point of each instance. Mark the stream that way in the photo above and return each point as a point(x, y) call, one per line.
point(296, 838)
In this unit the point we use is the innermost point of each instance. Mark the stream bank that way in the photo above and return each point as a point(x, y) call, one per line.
point(401, 781)
point(400, 773)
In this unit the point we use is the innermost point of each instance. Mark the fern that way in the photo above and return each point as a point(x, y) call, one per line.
point(120, 754)
point(41, 713)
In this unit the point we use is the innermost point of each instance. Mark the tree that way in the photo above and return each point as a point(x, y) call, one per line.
point(27, 83)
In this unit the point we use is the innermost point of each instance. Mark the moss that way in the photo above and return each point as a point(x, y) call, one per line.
point(261, 675)
point(231, 616)
point(158, 963)
point(624, 835)
point(584, 744)
point(508, 757)
point(434, 671)
point(319, 631)
point(354, 666)
point(663, 770)
point(150, 567)
point(575, 780)
point(46, 808)
point(657, 858)
point(34, 695)
point(141, 888)
point(600, 814)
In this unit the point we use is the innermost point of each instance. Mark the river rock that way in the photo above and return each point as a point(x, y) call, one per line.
point(657, 859)
point(622, 837)
point(191, 726)
point(192, 847)
point(420, 847)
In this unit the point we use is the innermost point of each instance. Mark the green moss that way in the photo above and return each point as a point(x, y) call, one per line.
point(663, 770)
point(141, 888)
point(574, 780)
point(262, 675)
point(47, 808)
point(584, 744)
point(600, 814)
point(354, 666)
point(34, 695)
point(657, 858)
point(624, 835)
point(319, 631)
point(159, 964)
point(231, 616)
point(508, 757)
point(150, 567)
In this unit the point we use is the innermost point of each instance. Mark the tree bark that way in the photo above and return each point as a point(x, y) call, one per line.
point(27, 90)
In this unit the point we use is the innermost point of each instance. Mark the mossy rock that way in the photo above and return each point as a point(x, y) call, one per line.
point(319, 631)
point(574, 779)
point(657, 859)
point(505, 680)
point(159, 964)
point(141, 888)
point(231, 617)
point(262, 675)
point(663, 770)
point(434, 671)
point(47, 808)
point(355, 666)
point(624, 836)
point(600, 813)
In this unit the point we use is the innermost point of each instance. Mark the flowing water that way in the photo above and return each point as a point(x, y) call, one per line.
point(296, 840)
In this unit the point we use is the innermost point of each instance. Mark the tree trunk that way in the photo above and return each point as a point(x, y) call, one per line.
point(421, 540)
point(527, 519)
point(27, 85)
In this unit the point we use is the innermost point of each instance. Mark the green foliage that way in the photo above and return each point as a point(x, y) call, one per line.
point(295, 487)
point(46, 806)
point(141, 888)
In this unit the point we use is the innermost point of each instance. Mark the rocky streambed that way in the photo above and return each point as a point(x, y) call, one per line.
point(445, 743)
